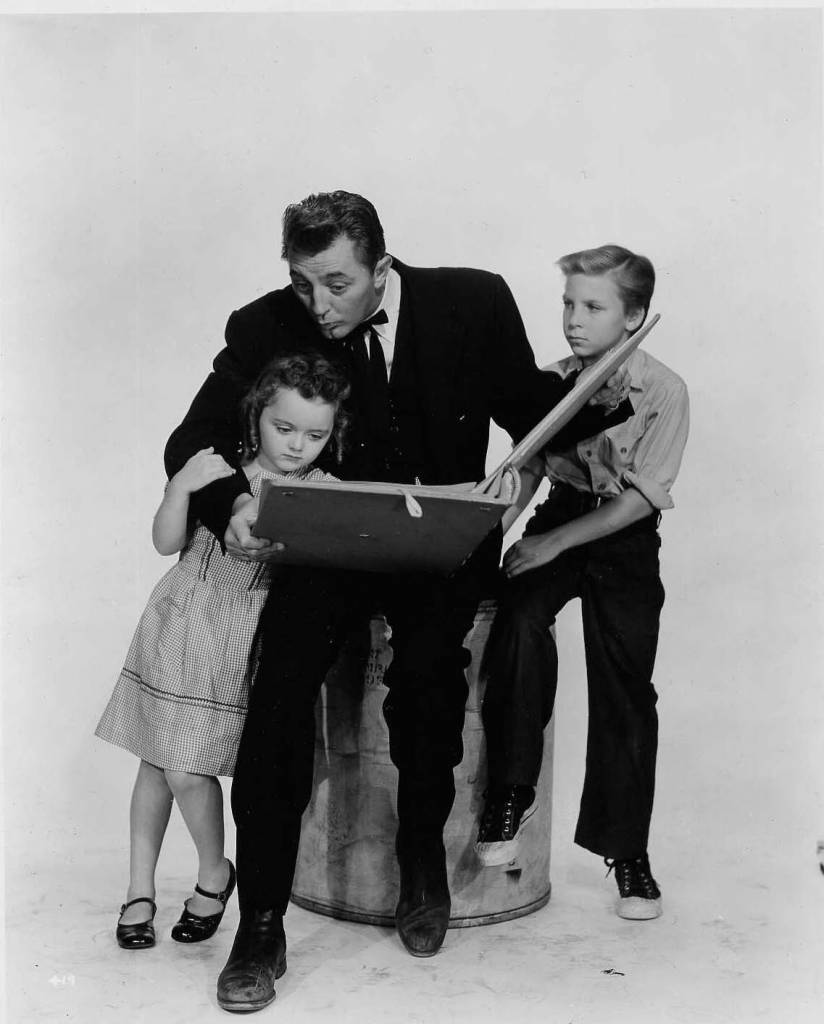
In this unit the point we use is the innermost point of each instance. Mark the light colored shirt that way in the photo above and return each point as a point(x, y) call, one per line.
point(391, 302)
point(642, 452)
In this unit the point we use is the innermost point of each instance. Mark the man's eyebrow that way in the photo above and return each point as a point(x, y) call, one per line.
point(333, 275)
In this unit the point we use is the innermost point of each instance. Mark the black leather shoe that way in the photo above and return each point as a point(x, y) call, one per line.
point(192, 928)
point(422, 914)
point(140, 935)
point(256, 961)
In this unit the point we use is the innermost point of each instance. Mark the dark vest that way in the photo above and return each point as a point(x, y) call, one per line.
point(397, 454)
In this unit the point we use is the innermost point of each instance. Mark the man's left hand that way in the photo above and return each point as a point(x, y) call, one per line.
point(238, 538)
point(613, 391)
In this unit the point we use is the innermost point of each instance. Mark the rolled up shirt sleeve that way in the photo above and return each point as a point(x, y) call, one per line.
point(657, 457)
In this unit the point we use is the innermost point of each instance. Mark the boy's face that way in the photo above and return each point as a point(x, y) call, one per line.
point(594, 316)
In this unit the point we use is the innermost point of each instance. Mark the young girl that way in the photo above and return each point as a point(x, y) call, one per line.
point(181, 698)
point(595, 538)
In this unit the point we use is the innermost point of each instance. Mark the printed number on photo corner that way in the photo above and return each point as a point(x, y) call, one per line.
point(62, 980)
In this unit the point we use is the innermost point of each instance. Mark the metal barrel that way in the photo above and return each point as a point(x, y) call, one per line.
point(346, 865)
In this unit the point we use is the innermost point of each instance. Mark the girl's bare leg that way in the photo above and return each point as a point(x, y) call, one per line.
point(148, 817)
point(200, 799)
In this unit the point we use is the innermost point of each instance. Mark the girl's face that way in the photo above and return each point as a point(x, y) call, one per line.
point(293, 431)
point(594, 316)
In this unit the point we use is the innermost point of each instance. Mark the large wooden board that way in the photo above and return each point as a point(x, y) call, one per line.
point(369, 526)
point(589, 381)
point(383, 527)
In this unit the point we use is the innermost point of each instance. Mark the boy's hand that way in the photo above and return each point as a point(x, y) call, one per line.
point(614, 390)
point(202, 469)
point(530, 553)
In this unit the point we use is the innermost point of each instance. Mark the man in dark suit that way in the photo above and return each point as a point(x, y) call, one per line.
point(447, 352)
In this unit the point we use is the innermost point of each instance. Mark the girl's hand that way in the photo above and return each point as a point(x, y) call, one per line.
point(530, 553)
point(203, 468)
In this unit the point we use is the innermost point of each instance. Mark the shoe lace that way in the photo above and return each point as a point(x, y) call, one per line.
point(633, 877)
point(502, 815)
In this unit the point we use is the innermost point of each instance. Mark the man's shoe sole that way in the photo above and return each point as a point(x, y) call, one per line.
point(253, 1005)
point(421, 952)
point(493, 855)
point(413, 952)
point(434, 915)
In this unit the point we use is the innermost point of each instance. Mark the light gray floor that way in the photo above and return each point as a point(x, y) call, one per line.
point(739, 942)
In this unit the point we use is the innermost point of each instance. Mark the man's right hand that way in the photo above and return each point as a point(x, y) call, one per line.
point(202, 469)
point(238, 537)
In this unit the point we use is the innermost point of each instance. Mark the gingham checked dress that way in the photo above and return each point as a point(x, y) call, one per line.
point(181, 698)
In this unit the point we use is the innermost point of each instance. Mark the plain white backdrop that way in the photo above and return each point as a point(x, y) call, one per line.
point(146, 163)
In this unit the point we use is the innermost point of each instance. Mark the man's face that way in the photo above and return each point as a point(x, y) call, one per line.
point(594, 316)
point(337, 289)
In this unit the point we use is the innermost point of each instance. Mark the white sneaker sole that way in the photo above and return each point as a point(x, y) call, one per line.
point(493, 855)
point(636, 908)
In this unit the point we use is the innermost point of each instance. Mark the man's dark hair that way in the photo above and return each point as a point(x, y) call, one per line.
point(314, 223)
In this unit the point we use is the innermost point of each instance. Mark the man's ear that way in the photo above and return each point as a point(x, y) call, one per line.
point(381, 270)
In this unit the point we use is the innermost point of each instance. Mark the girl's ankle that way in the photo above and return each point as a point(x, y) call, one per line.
point(209, 877)
point(135, 891)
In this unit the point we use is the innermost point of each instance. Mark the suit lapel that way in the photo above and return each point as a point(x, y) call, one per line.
point(296, 322)
point(430, 341)
point(294, 330)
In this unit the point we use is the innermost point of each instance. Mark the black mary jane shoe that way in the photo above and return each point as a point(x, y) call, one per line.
point(140, 935)
point(192, 928)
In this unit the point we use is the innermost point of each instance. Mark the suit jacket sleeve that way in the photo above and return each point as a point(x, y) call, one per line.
point(212, 420)
point(523, 394)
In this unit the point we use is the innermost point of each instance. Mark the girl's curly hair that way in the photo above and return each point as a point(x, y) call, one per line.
point(312, 376)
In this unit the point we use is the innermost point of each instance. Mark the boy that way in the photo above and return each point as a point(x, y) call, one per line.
point(595, 538)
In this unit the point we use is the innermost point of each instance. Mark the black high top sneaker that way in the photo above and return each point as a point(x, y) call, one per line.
point(639, 898)
point(507, 810)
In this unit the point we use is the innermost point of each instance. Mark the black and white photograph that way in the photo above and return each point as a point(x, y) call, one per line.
point(410, 513)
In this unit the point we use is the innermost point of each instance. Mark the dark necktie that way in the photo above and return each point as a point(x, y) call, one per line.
point(370, 367)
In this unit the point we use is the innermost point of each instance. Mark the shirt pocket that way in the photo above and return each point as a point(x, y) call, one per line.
point(621, 445)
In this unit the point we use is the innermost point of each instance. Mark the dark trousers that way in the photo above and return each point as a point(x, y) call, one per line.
point(308, 615)
point(617, 579)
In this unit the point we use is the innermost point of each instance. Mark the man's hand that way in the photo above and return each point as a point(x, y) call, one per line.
point(504, 486)
point(202, 469)
point(530, 553)
point(613, 391)
point(238, 537)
